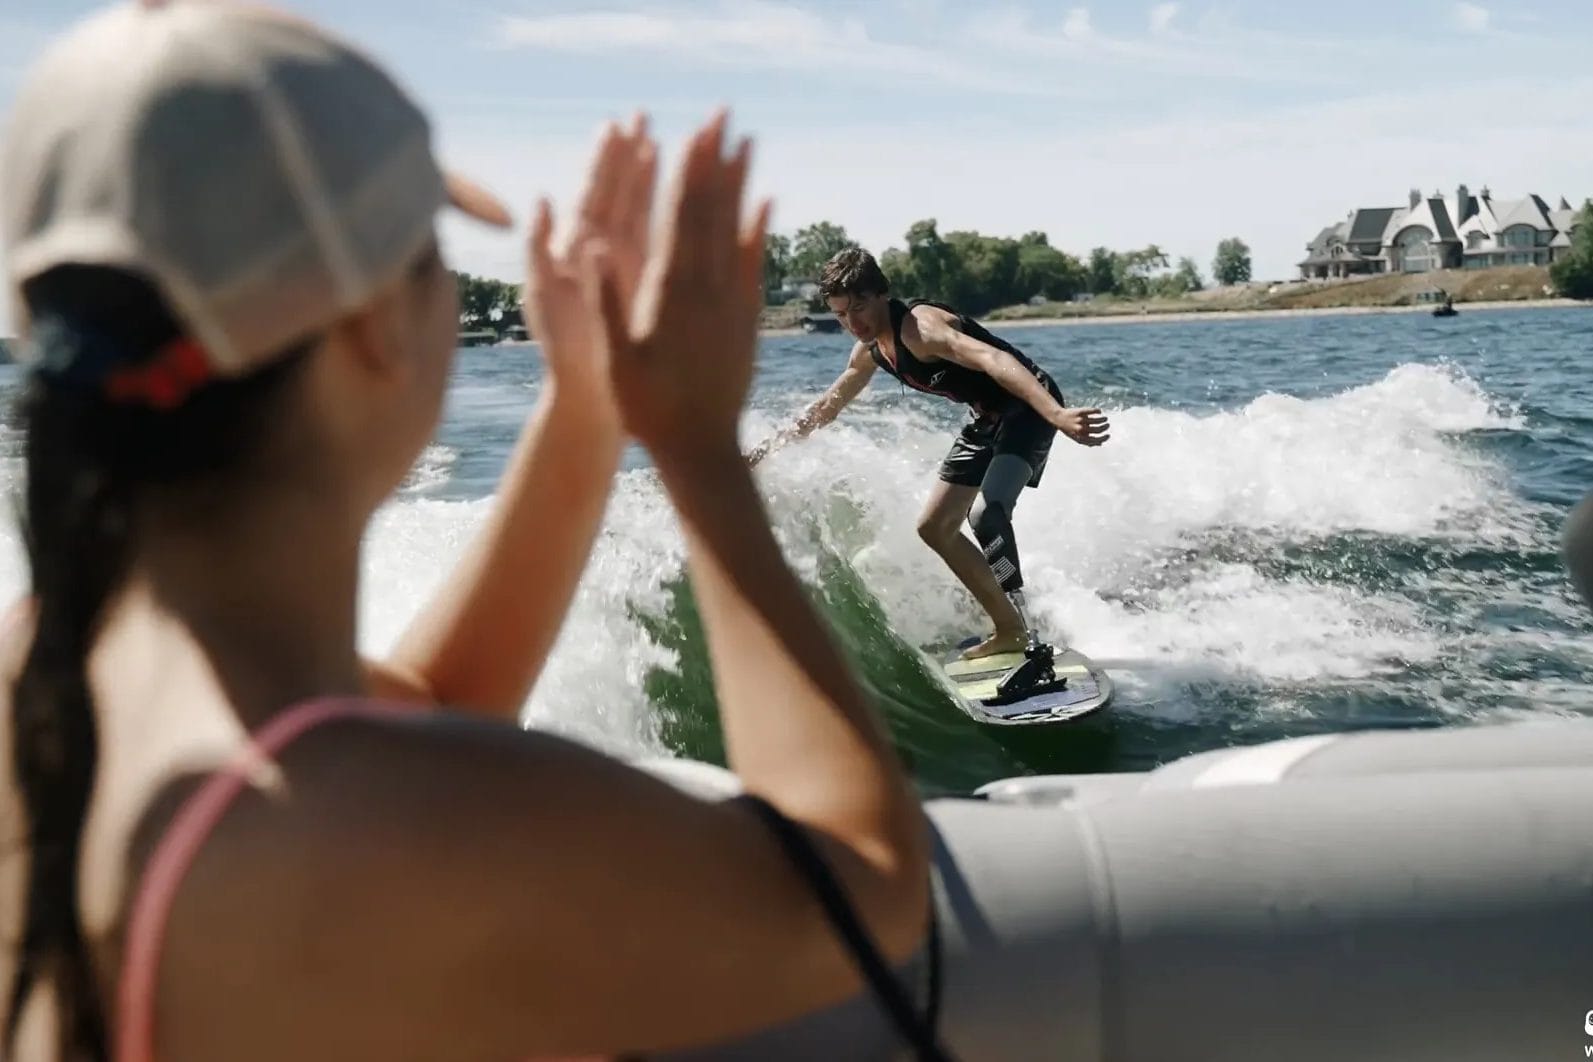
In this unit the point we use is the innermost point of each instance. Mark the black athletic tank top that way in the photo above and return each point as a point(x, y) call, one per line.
point(946, 378)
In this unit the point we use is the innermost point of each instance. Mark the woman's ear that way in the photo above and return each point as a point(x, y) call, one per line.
point(371, 338)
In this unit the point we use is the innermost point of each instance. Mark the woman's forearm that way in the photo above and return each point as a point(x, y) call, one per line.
point(482, 640)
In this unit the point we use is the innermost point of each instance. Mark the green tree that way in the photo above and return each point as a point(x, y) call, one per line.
point(930, 259)
point(1103, 271)
point(986, 272)
point(897, 265)
point(815, 245)
point(1183, 280)
point(483, 302)
point(1232, 264)
point(776, 261)
point(1573, 274)
point(1044, 270)
point(1135, 269)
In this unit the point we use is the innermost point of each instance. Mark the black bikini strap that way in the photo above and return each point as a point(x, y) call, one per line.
point(918, 1030)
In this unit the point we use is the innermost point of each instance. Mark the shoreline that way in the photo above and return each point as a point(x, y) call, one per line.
point(1164, 317)
point(1176, 316)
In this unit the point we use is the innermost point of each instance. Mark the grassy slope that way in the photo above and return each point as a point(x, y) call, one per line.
point(1508, 284)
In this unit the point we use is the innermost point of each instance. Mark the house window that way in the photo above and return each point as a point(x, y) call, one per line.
point(1416, 250)
point(1520, 236)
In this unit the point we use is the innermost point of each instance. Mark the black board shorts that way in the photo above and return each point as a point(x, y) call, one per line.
point(1017, 430)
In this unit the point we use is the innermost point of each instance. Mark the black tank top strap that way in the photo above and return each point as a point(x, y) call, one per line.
point(918, 1030)
point(898, 312)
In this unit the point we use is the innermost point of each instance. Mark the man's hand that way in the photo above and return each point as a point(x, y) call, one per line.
point(1087, 427)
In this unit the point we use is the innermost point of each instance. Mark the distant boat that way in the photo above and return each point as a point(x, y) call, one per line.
point(1445, 311)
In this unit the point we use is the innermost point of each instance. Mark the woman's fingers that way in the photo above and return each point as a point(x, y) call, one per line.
point(727, 213)
point(627, 227)
point(751, 260)
point(540, 253)
point(708, 259)
point(598, 196)
point(693, 201)
point(604, 291)
point(635, 228)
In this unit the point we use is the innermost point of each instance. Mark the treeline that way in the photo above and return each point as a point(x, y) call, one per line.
point(977, 273)
point(971, 271)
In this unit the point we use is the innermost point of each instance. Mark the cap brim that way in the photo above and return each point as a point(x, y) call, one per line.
point(470, 198)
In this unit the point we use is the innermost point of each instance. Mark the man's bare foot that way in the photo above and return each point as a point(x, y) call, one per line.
point(999, 642)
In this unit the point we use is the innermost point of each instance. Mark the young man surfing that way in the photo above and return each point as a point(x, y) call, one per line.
point(1016, 410)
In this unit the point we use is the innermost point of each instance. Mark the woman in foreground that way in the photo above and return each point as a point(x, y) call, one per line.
point(219, 843)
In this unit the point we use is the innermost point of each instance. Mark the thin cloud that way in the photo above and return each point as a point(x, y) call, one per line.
point(1014, 34)
point(1473, 18)
point(1008, 51)
point(751, 34)
point(1213, 47)
point(746, 35)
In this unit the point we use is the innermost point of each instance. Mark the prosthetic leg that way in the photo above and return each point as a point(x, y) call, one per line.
point(991, 520)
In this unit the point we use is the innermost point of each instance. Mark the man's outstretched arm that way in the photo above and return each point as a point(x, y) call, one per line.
point(859, 370)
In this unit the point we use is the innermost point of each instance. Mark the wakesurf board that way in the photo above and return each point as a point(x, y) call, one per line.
point(991, 689)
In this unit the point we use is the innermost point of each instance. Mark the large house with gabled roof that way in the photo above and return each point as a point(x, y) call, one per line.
point(1462, 231)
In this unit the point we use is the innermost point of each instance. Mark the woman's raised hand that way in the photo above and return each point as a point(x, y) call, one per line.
point(682, 342)
point(612, 227)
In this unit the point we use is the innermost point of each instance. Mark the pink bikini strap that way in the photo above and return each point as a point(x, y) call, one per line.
point(189, 828)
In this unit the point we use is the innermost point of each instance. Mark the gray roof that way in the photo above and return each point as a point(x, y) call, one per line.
point(1369, 222)
point(1529, 211)
point(1432, 215)
point(1322, 238)
point(1440, 213)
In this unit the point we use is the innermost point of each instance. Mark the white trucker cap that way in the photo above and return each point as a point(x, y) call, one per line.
point(267, 177)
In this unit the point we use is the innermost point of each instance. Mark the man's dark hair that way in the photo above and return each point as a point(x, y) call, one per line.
point(852, 272)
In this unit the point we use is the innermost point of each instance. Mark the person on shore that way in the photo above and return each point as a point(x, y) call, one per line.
point(1016, 409)
point(229, 836)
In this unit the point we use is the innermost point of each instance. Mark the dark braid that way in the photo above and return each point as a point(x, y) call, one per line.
point(76, 532)
point(90, 464)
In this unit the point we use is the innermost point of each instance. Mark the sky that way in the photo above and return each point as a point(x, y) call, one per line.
point(1117, 123)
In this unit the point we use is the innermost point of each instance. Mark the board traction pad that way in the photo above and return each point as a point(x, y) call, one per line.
point(973, 681)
